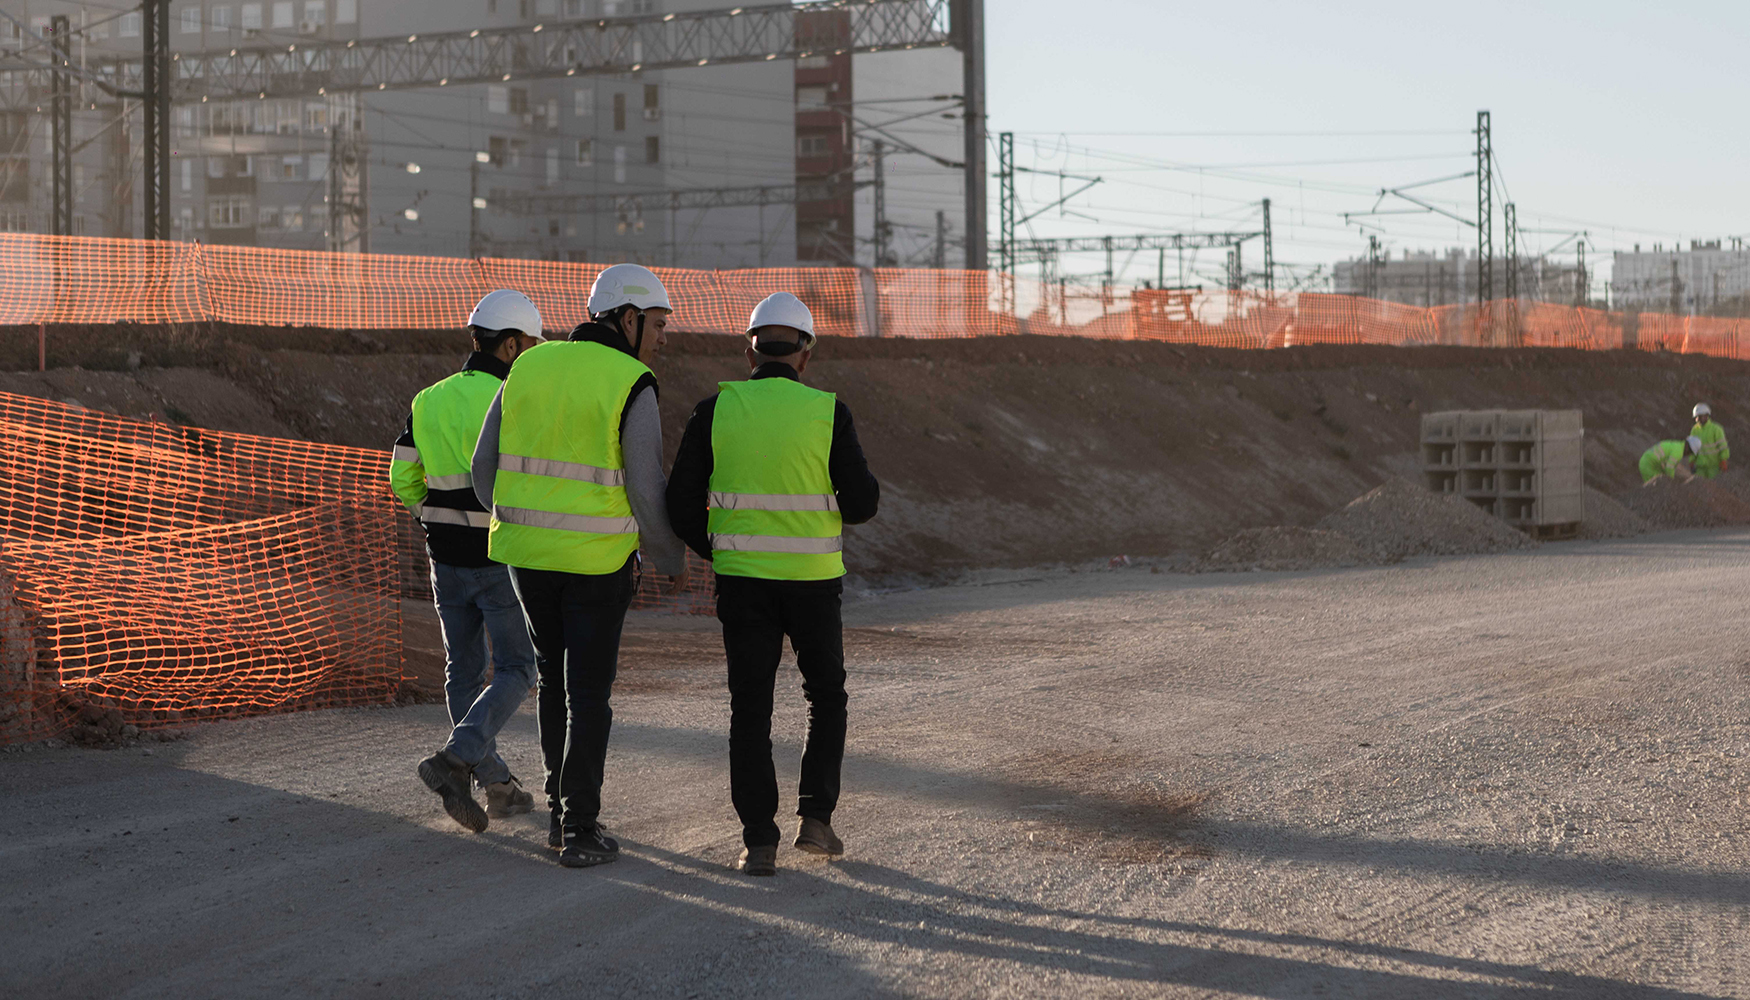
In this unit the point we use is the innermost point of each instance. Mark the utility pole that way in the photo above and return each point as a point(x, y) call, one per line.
point(475, 204)
point(1161, 269)
point(1235, 276)
point(61, 129)
point(1485, 211)
point(940, 260)
point(155, 83)
point(1108, 279)
point(1511, 221)
point(1269, 256)
point(1006, 219)
point(1370, 282)
point(1582, 286)
point(880, 154)
point(349, 224)
point(967, 29)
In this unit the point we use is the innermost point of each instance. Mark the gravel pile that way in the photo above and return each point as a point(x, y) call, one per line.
point(1400, 519)
point(1666, 503)
point(1282, 548)
point(1605, 518)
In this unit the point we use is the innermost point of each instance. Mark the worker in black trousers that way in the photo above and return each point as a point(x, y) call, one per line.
point(767, 473)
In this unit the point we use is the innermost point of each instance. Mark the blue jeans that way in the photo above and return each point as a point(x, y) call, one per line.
point(474, 603)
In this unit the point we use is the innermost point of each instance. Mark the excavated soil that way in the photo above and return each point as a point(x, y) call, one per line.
point(1400, 519)
point(1605, 518)
point(1284, 548)
point(1698, 503)
point(992, 452)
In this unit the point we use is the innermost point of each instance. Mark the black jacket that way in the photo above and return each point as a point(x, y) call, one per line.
point(689, 483)
point(457, 544)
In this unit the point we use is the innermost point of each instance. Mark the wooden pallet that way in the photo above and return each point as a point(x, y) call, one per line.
point(1552, 532)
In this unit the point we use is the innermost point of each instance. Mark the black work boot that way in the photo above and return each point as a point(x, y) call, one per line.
point(588, 846)
point(555, 832)
point(447, 775)
point(817, 837)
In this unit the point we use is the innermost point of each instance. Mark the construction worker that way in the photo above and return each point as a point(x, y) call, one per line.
point(1670, 459)
point(430, 473)
point(569, 462)
point(768, 470)
point(1712, 458)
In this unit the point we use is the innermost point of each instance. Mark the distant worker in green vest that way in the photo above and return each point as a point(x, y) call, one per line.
point(1712, 458)
point(1670, 459)
point(430, 472)
point(570, 465)
point(768, 471)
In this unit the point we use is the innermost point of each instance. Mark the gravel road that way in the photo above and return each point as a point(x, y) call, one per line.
point(1485, 776)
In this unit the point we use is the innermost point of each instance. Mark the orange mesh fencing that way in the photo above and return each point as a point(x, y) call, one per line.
point(48, 279)
point(169, 573)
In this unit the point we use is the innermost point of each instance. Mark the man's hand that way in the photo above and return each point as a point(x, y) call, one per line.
point(678, 582)
point(1723, 464)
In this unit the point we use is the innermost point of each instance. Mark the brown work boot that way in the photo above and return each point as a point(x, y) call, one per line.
point(447, 775)
point(816, 837)
point(507, 798)
point(759, 860)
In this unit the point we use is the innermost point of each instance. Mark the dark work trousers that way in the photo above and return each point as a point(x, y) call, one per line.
point(756, 616)
point(575, 621)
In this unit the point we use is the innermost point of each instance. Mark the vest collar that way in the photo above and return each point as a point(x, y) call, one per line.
point(775, 369)
point(607, 336)
point(480, 361)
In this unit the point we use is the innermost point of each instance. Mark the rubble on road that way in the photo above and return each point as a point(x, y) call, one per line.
point(1283, 548)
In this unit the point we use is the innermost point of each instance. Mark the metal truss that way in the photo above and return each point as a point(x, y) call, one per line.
point(1036, 249)
point(314, 67)
point(678, 199)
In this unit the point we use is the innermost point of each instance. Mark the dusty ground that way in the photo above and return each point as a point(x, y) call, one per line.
point(995, 452)
point(1489, 776)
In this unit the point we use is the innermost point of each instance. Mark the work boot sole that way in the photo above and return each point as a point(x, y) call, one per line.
point(462, 808)
point(586, 859)
point(820, 850)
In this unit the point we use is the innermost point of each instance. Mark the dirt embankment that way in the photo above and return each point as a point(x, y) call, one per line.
point(1010, 451)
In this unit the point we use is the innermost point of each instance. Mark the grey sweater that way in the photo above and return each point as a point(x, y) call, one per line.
point(641, 442)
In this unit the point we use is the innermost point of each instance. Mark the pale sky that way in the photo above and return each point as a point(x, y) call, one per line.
point(1624, 119)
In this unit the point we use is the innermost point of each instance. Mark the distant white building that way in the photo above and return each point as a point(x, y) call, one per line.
point(1680, 281)
point(1427, 278)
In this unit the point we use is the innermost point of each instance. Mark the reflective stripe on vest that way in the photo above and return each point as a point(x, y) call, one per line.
point(450, 515)
point(773, 514)
point(459, 481)
point(561, 470)
point(405, 454)
point(774, 501)
point(560, 498)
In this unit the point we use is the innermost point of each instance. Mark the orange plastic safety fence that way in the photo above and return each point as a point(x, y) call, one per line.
point(45, 279)
point(168, 573)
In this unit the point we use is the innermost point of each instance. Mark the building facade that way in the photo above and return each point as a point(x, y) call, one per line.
point(1678, 281)
point(1426, 278)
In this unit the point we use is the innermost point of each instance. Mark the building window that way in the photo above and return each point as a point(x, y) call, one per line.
point(315, 15)
point(652, 103)
point(346, 11)
point(318, 166)
point(585, 153)
point(619, 112)
point(583, 102)
point(552, 166)
point(812, 98)
point(215, 166)
point(191, 20)
point(518, 147)
point(269, 218)
point(573, 8)
point(188, 175)
point(497, 99)
point(816, 144)
point(519, 100)
point(495, 150)
point(130, 26)
point(652, 149)
point(249, 17)
point(282, 14)
point(619, 164)
point(814, 62)
point(291, 167)
point(315, 117)
point(220, 18)
point(292, 218)
point(228, 213)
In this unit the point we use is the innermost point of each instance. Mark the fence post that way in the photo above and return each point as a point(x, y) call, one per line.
point(871, 295)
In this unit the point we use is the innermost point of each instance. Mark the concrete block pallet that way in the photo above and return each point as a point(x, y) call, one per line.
point(1525, 467)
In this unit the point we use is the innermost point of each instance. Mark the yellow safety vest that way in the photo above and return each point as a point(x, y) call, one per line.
point(773, 513)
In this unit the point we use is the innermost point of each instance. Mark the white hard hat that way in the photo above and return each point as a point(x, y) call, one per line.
point(627, 285)
point(1694, 444)
point(507, 310)
point(1702, 409)
point(783, 309)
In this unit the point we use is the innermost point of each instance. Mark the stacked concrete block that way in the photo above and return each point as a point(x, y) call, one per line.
point(1523, 466)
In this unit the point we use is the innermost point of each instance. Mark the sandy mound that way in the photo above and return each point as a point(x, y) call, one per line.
point(1282, 548)
point(1666, 503)
point(1400, 519)
point(1605, 518)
